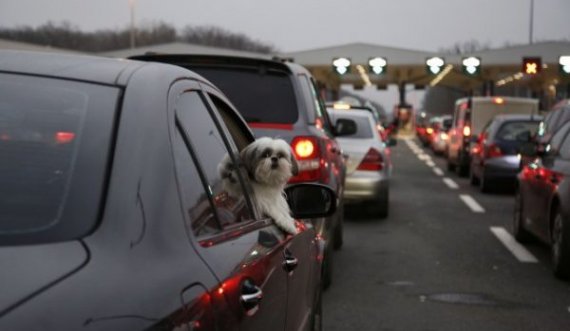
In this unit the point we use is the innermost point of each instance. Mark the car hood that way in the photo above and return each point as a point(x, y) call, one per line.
point(29, 270)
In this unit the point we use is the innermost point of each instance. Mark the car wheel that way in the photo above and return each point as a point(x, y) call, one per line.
point(379, 208)
point(560, 246)
point(484, 184)
point(519, 232)
point(473, 180)
point(338, 231)
point(450, 166)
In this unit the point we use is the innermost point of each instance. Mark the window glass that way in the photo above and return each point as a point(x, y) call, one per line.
point(46, 126)
point(511, 130)
point(196, 201)
point(557, 138)
point(211, 154)
point(320, 107)
point(260, 96)
point(363, 124)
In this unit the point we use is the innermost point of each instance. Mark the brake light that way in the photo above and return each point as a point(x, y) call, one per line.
point(372, 161)
point(64, 137)
point(312, 166)
point(466, 131)
point(429, 130)
point(444, 136)
point(493, 151)
point(498, 101)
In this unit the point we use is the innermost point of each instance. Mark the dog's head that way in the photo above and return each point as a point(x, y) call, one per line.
point(269, 161)
point(230, 180)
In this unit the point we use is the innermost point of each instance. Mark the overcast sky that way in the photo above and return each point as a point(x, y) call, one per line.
point(304, 24)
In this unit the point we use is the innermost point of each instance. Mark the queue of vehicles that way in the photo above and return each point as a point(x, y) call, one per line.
point(504, 142)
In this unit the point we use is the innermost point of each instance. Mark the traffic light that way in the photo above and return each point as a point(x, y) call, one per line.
point(471, 66)
point(434, 65)
point(377, 65)
point(564, 64)
point(341, 65)
point(531, 65)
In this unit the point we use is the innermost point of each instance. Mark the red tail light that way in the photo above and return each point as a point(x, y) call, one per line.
point(311, 163)
point(64, 137)
point(493, 151)
point(372, 161)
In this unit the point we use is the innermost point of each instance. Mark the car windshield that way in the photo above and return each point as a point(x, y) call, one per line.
point(511, 130)
point(266, 97)
point(42, 126)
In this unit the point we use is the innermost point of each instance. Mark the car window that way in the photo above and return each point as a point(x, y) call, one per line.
point(264, 96)
point(363, 124)
point(509, 131)
point(48, 128)
point(556, 140)
point(565, 148)
point(211, 154)
point(320, 107)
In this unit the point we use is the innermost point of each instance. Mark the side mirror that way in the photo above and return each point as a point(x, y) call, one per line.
point(391, 142)
point(310, 200)
point(345, 127)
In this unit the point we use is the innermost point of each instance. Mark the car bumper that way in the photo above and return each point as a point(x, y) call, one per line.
point(365, 185)
point(506, 167)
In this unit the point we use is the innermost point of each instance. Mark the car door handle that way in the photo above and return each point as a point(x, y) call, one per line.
point(290, 262)
point(251, 296)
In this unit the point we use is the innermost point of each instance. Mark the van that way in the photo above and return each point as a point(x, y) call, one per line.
point(469, 118)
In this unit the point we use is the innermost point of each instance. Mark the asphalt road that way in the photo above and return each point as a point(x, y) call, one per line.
point(436, 263)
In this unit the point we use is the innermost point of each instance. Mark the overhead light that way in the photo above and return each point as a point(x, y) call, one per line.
point(471, 65)
point(564, 62)
point(434, 65)
point(377, 65)
point(341, 65)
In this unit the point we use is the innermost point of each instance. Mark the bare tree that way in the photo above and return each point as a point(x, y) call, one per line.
point(215, 36)
point(466, 47)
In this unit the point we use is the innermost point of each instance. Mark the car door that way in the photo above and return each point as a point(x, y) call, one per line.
point(244, 251)
point(545, 182)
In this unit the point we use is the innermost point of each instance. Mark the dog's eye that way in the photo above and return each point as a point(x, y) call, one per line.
point(266, 154)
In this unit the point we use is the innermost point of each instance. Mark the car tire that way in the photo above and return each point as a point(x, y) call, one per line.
point(338, 240)
point(519, 232)
point(560, 246)
point(473, 180)
point(484, 184)
point(450, 166)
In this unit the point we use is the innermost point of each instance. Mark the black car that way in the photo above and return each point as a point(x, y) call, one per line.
point(542, 205)
point(495, 159)
point(281, 99)
point(113, 215)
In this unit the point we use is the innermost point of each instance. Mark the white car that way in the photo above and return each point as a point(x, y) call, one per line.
point(369, 166)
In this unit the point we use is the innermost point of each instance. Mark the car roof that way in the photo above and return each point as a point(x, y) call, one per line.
point(86, 68)
point(352, 112)
point(517, 117)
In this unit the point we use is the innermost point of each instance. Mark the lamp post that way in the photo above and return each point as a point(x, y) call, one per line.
point(133, 31)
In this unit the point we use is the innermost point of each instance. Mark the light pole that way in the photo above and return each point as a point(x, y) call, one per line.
point(133, 31)
point(531, 21)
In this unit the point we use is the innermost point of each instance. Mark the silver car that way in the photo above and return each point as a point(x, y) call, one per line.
point(368, 165)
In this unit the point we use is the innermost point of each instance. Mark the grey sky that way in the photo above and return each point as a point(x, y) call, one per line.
point(303, 24)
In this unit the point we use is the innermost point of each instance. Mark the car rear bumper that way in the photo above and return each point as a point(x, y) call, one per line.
point(506, 167)
point(365, 185)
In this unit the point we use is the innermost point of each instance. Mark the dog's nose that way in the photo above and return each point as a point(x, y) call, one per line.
point(274, 159)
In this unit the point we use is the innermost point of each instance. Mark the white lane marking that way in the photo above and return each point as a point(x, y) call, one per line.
point(471, 203)
point(521, 253)
point(438, 171)
point(450, 183)
point(424, 157)
point(430, 163)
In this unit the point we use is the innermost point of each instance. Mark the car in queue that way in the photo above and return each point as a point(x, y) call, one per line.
point(470, 116)
point(280, 99)
point(440, 137)
point(369, 165)
point(113, 215)
point(542, 199)
point(495, 157)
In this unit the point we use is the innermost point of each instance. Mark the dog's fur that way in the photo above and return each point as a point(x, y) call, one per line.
point(269, 164)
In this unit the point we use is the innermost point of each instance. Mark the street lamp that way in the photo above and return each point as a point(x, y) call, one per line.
point(377, 65)
point(434, 65)
point(341, 65)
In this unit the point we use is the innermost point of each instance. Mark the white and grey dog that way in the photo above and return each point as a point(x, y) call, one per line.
point(269, 164)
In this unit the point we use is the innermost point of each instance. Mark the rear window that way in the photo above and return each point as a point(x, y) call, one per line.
point(446, 124)
point(54, 137)
point(363, 126)
point(260, 96)
point(510, 130)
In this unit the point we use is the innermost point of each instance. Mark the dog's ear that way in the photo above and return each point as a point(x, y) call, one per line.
point(248, 159)
point(294, 164)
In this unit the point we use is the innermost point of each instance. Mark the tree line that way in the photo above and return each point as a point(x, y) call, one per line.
point(65, 35)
